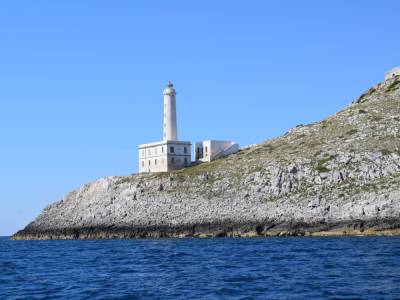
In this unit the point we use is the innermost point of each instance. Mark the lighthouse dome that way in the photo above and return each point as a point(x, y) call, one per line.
point(169, 89)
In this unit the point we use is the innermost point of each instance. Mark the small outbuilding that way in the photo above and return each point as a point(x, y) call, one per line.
point(209, 150)
point(392, 73)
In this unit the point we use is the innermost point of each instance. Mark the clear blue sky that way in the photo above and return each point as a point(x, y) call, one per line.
point(81, 81)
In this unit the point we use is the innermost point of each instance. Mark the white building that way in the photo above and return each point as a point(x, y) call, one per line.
point(168, 154)
point(392, 73)
point(207, 151)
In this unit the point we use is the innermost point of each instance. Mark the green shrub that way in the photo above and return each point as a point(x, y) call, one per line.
point(322, 169)
point(351, 132)
point(394, 86)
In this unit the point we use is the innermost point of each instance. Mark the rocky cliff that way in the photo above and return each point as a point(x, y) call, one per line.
point(338, 176)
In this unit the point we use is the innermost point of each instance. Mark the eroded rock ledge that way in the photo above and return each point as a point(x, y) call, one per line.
point(226, 229)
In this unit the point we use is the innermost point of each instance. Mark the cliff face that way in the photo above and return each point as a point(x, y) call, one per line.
point(337, 176)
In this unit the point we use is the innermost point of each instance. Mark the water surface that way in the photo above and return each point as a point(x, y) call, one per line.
point(257, 268)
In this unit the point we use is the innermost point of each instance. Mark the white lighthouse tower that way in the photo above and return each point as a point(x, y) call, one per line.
point(170, 127)
point(169, 154)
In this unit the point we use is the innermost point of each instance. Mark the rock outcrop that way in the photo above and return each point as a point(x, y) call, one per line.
point(334, 177)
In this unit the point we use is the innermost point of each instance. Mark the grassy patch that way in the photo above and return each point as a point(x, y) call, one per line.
point(127, 179)
point(326, 159)
point(302, 135)
point(324, 124)
point(268, 147)
point(394, 86)
point(365, 95)
point(257, 168)
point(376, 118)
point(322, 169)
point(202, 168)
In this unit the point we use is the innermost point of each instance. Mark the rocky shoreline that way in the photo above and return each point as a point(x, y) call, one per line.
point(357, 228)
point(339, 176)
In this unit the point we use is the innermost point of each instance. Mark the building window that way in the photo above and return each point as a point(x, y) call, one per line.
point(186, 162)
point(143, 152)
point(172, 149)
point(162, 149)
point(142, 163)
point(172, 160)
point(149, 163)
point(149, 151)
point(155, 162)
point(156, 151)
point(185, 150)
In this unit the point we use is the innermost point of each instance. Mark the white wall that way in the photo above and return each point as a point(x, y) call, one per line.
point(170, 122)
point(392, 73)
point(153, 158)
point(210, 150)
point(164, 156)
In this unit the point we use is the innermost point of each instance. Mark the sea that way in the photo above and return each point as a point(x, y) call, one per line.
point(224, 268)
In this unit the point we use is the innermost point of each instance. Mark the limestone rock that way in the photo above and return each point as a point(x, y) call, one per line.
point(337, 176)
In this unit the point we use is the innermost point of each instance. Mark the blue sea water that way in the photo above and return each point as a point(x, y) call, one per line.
point(257, 268)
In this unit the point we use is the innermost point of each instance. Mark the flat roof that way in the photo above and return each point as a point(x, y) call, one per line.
point(164, 143)
point(218, 141)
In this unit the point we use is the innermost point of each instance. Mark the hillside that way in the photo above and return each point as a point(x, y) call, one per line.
point(338, 176)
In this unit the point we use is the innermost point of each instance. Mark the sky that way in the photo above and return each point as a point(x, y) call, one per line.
point(81, 81)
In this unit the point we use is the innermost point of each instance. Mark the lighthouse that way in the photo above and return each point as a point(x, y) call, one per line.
point(170, 127)
point(170, 153)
